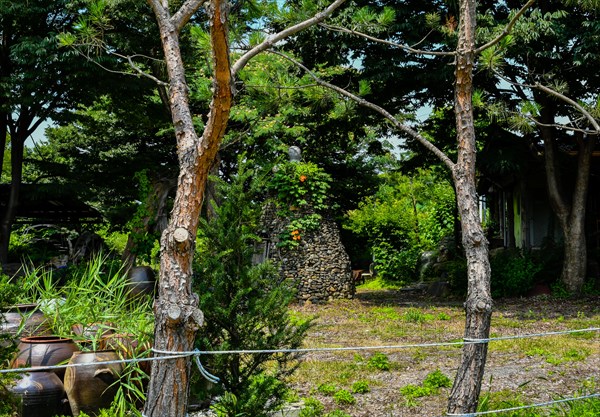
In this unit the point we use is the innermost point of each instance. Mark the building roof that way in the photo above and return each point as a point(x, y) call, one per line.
point(49, 203)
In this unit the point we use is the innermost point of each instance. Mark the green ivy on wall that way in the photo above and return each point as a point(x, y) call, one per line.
point(301, 190)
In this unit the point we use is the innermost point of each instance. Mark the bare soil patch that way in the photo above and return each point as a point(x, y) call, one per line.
point(531, 369)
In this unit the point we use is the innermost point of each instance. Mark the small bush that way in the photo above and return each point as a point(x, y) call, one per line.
point(327, 389)
point(360, 387)
point(379, 361)
point(416, 391)
point(414, 315)
point(437, 379)
point(394, 264)
point(513, 273)
point(443, 316)
point(312, 408)
point(344, 397)
point(431, 386)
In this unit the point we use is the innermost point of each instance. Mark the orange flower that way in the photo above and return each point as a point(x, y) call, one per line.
point(296, 237)
point(303, 178)
point(295, 232)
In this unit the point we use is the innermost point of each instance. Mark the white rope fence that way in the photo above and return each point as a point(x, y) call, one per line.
point(172, 355)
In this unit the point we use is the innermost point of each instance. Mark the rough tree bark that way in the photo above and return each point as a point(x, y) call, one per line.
point(467, 384)
point(571, 216)
point(177, 317)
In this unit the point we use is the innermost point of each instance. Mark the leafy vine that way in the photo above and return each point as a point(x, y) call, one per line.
point(302, 195)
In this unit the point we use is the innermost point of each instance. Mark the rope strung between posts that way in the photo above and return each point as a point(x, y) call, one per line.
point(523, 407)
point(170, 355)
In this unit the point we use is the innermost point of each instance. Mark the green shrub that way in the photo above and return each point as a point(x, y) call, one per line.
point(360, 387)
point(312, 408)
point(379, 361)
point(245, 306)
point(437, 379)
point(407, 215)
point(344, 397)
point(414, 315)
point(443, 316)
point(430, 386)
point(396, 264)
point(327, 389)
point(513, 273)
point(416, 391)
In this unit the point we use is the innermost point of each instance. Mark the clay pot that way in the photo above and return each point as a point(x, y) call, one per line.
point(40, 394)
point(90, 336)
point(22, 320)
point(127, 346)
point(44, 351)
point(92, 387)
point(141, 281)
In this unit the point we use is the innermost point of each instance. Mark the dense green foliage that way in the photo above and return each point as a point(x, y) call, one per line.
point(513, 273)
point(408, 215)
point(245, 306)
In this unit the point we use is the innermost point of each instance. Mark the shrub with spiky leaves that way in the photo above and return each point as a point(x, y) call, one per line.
point(245, 305)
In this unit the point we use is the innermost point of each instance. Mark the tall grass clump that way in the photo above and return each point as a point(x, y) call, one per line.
point(245, 307)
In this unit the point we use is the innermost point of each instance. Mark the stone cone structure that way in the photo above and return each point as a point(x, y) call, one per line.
point(319, 267)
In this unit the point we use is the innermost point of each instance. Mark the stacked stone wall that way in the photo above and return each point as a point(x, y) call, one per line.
point(319, 266)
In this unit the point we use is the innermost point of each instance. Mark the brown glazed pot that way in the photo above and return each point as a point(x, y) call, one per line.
point(44, 351)
point(40, 394)
point(92, 387)
point(22, 320)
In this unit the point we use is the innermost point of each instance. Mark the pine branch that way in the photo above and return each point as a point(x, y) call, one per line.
point(272, 40)
point(185, 12)
point(562, 126)
point(507, 28)
point(587, 115)
point(386, 42)
point(572, 102)
point(399, 125)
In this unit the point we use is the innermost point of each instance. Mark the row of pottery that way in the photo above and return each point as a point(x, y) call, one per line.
point(82, 388)
point(87, 386)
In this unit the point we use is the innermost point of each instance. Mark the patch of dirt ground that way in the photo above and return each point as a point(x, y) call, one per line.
point(522, 370)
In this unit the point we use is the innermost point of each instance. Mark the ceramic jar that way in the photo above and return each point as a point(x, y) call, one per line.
point(92, 387)
point(22, 320)
point(141, 280)
point(39, 394)
point(44, 351)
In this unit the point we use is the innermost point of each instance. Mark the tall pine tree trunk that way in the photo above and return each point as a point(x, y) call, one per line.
point(467, 384)
point(177, 317)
